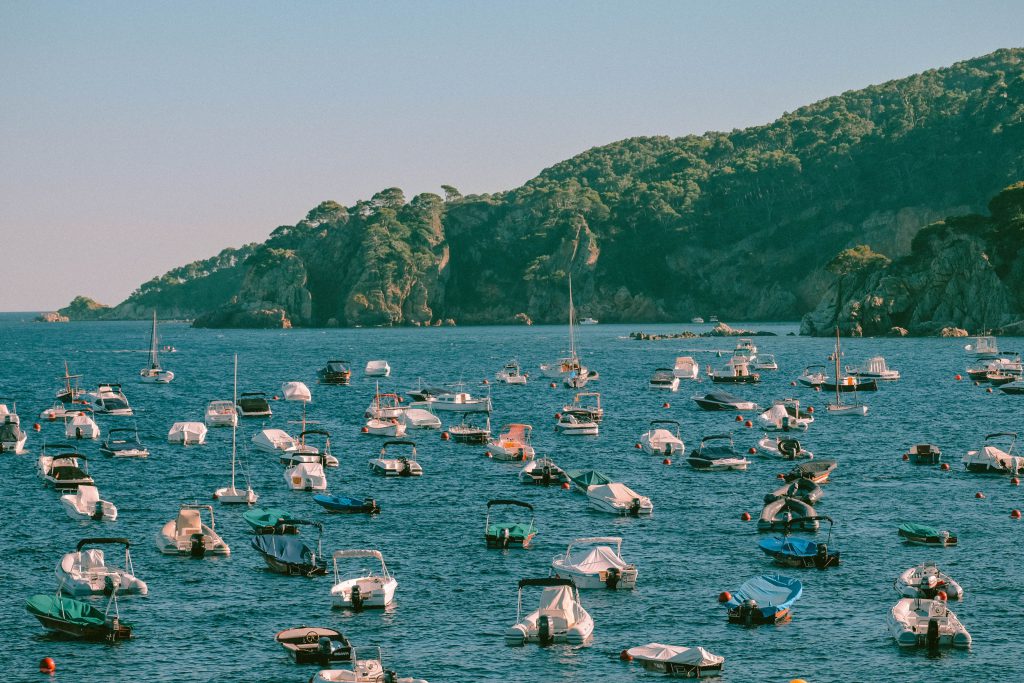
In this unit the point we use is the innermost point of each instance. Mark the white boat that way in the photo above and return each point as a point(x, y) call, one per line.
point(874, 368)
point(12, 436)
point(153, 373)
point(560, 368)
point(187, 433)
point(813, 376)
point(59, 410)
point(569, 369)
point(232, 494)
point(306, 451)
point(589, 321)
point(511, 373)
point(123, 442)
point(305, 475)
point(221, 414)
point(296, 391)
point(86, 572)
point(63, 468)
point(69, 391)
point(186, 534)
point(917, 622)
point(765, 361)
point(663, 440)
point(85, 503)
point(779, 447)
point(735, 371)
point(983, 348)
point(717, 453)
point(560, 618)
point(108, 399)
point(925, 581)
point(401, 466)
point(388, 406)
point(745, 348)
point(697, 320)
point(384, 427)
point(586, 405)
point(79, 425)
point(362, 670)
point(991, 459)
point(686, 368)
point(420, 418)
point(513, 443)
point(597, 563)
point(618, 499)
point(364, 588)
point(459, 402)
point(677, 662)
point(273, 441)
point(571, 425)
point(664, 379)
point(785, 416)
point(840, 409)
point(377, 368)
point(253, 404)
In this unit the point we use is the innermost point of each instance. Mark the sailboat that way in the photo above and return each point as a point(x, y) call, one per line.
point(154, 374)
point(70, 392)
point(840, 408)
point(575, 375)
point(231, 494)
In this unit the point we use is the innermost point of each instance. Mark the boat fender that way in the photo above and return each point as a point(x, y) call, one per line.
point(634, 508)
point(357, 598)
point(197, 546)
point(932, 637)
point(612, 580)
point(97, 511)
point(544, 634)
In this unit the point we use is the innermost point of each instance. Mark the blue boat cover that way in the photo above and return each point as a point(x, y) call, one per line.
point(333, 502)
point(790, 547)
point(771, 592)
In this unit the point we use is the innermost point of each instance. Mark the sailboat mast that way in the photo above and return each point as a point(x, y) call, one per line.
point(838, 401)
point(572, 332)
point(234, 424)
point(153, 363)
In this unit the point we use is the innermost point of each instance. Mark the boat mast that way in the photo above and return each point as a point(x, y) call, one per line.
point(839, 402)
point(234, 405)
point(154, 364)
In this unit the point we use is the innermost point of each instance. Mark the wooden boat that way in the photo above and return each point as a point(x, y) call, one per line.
point(315, 645)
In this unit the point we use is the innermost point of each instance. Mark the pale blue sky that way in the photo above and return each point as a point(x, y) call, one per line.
point(138, 136)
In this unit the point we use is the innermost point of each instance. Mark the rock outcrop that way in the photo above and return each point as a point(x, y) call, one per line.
point(51, 317)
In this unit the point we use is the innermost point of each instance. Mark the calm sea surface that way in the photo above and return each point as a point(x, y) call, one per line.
point(215, 619)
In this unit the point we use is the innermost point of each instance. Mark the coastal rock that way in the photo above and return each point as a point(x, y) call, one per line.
point(51, 317)
point(953, 332)
point(898, 332)
point(522, 319)
point(236, 317)
point(84, 308)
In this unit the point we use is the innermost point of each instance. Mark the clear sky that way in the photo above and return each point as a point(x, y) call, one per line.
point(139, 136)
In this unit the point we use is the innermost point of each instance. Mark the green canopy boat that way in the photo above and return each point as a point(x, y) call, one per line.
point(79, 619)
point(583, 479)
point(269, 521)
point(922, 534)
point(508, 534)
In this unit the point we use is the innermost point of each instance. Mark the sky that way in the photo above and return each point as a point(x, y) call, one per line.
point(140, 136)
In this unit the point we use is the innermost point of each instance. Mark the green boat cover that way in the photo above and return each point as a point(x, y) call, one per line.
point(923, 530)
point(585, 478)
point(66, 609)
point(258, 518)
point(520, 530)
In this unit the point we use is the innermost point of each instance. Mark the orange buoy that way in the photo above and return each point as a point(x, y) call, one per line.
point(989, 390)
point(739, 418)
point(745, 517)
point(780, 475)
point(666, 461)
point(724, 596)
point(979, 495)
point(944, 467)
point(941, 595)
point(1014, 514)
point(1014, 481)
point(637, 445)
point(47, 665)
point(488, 454)
point(37, 426)
point(748, 424)
point(665, 405)
point(792, 384)
point(906, 457)
point(565, 485)
point(445, 436)
point(625, 656)
point(552, 385)
point(810, 409)
point(558, 416)
point(485, 382)
point(752, 450)
point(977, 384)
point(365, 430)
point(958, 378)
point(277, 398)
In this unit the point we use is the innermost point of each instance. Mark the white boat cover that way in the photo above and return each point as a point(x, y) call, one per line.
point(614, 492)
point(296, 391)
point(358, 553)
point(594, 560)
point(690, 656)
point(274, 439)
point(558, 602)
point(774, 415)
point(187, 432)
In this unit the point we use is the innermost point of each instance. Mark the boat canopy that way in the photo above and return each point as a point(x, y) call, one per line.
point(340, 554)
point(66, 609)
point(665, 422)
point(592, 560)
point(721, 397)
point(549, 581)
point(587, 478)
point(923, 530)
point(508, 501)
point(673, 654)
point(101, 541)
point(296, 391)
point(769, 591)
point(284, 547)
point(517, 431)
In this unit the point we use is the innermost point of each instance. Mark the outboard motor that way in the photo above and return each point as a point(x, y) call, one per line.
point(404, 469)
point(931, 639)
point(634, 508)
point(611, 580)
point(78, 432)
point(390, 676)
point(197, 546)
point(357, 598)
point(821, 559)
point(546, 475)
point(544, 634)
point(97, 511)
point(371, 505)
point(748, 608)
point(109, 584)
point(504, 538)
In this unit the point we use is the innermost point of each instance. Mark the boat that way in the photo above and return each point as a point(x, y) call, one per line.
point(796, 552)
point(663, 379)
point(588, 321)
point(186, 534)
point(232, 494)
point(389, 405)
point(305, 472)
point(697, 320)
point(924, 454)
point(254, 404)
point(983, 347)
point(543, 471)
point(347, 504)
point(79, 425)
point(390, 427)
point(874, 368)
point(676, 661)
point(459, 402)
point(717, 453)
point(513, 443)
point(922, 534)
point(781, 512)
point(574, 374)
point(153, 373)
point(686, 368)
point(269, 521)
point(765, 361)
point(64, 468)
point(123, 442)
point(69, 391)
point(315, 645)
point(787, 449)
point(995, 459)
point(800, 488)
point(582, 480)
point(383, 416)
point(785, 416)
point(336, 372)
point(510, 533)
point(663, 440)
point(274, 441)
point(363, 670)
point(377, 368)
point(817, 471)
point(187, 433)
point(221, 414)
point(813, 376)
point(59, 410)
point(721, 400)
point(86, 572)
point(305, 451)
point(402, 466)
point(468, 432)
point(420, 418)
point(289, 554)
point(560, 618)
point(297, 391)
point(855, 409)
point(850, 385)
point(108, 399)
point(713, 319)
point(570, 425)
point(80, 619)
point(1001, 377)
point(425, 392)
point(986, 369)
point(85, 503)
point(586, 406)
point(12, 436)
point(735, 371)
point(766, 599)
point(365, 588)
point(919, 622)
point(618, 499)
point(511, 373)
point(926, 581)
point(597, 563)
point(745, 348)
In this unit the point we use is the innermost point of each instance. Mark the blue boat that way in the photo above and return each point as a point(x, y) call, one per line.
point(333, 503)
point(765, 599)
point(801, 552)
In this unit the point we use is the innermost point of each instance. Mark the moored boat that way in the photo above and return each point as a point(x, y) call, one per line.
point(676, 661)
point(919, 622)
point(923, 534)
point(510, 533)
point(560, 617)
point(766, 599)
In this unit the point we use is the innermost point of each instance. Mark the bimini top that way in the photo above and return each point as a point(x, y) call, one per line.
point(338, 554)
point(296, 391)
point(100, 541)
point(587, 478)
point(508, 501)
point(550, 581)
point(674, 654)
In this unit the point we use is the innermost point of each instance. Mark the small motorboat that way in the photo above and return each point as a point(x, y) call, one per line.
point(270, 521)
point(801, 488)
point(544, 472)
point(85, 503)
point(560, 617)
point(108, 399)
point(697, 320)
point(663, 440)
point(347, 504)
point(588, 321)
point(813, 376)
point(274, 441)
point(470, 430)
point(70, 391)
point(423, 393)
point(511, 533)
point(995, 459)
point(306, 451)
point(12, 436)
point(597, 563)
point(511, 373)
point(915, 622)
point(926, 580)
point(420, 418)
point(315, 645)
point(80, 619)
point(849, 384)
point(922, 534)
point(924, 454)
point(983, 347)
point(765, 361)
point(785, 416)
point(664, 379)
point(254, 404)
point(717, 453)
point(86, 572)
point(365, 588)
point(289, 554)
point(618, 499)
point(735, 371)
point(817, 471)
point(686, 368)
point(377, 368)
point(677, 662)
point(582, 480)
point(363, 670)
point(79, 425)
point(401, 466)
point(745, 348)
point(796, 552)
point(513, 443)
point(305, 474)
point(787, 449)
point(336, 372)
point(64, 468)
point(153, 373)
point(296, 391)
point(1015, 388)
point(781, 513)
point(766, 599)
point(459, 402)
point(563, 368)
point(186, 534)
point(60, 410)
point(570, 425)
point(221, 414)
point(123, 442)
point(187, 433)
point(873, 368)
point(721, 400)
point(391, 427)
point(998, 378)
point(586, 406)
